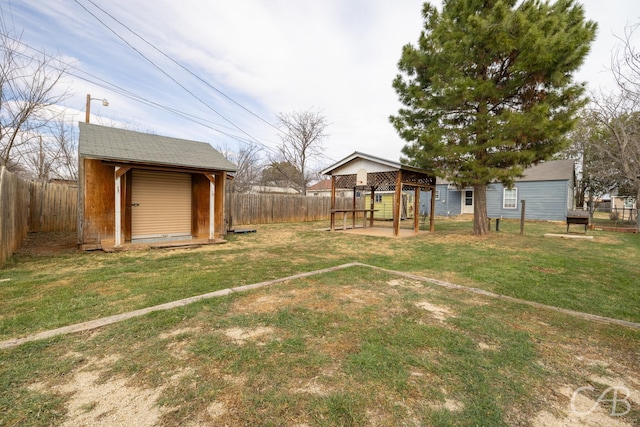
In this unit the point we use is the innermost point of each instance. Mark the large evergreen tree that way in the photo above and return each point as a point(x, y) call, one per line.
point(489, 91)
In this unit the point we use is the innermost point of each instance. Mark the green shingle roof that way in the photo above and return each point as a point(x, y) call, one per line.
point(127, 146)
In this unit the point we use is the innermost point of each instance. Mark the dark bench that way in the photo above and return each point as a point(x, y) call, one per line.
point(578, 217)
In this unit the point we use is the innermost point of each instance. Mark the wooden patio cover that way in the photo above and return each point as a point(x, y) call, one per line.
point(369, 173)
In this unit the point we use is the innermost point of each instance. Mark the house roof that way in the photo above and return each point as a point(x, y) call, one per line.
point(325, 184)
point(552, 170)
point(390, 165)
point(127, 146)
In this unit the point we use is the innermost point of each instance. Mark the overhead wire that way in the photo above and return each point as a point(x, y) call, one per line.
point(179, 64)
point(126, 93)
point(116, 89)
point(167, 74)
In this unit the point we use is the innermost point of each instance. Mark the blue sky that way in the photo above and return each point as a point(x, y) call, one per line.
point(269, 56)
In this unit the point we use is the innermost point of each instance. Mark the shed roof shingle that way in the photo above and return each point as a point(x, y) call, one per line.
point(136, 147)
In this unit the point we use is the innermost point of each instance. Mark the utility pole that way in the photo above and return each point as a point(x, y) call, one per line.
point(88, 107)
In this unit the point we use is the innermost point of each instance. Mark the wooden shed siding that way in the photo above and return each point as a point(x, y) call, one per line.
point(546, 200)
point(200, 197)
point(97, 200)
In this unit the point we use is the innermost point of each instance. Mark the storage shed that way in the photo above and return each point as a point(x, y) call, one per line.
point(137, 187)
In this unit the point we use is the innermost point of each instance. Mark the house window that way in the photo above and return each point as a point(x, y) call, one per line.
point(378, 198)
point(437, 194)
point(468, 198)
point(510, 198)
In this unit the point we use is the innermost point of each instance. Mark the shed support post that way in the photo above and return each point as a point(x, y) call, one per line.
point(212, 209)
point(219, 182)
point(118, 200)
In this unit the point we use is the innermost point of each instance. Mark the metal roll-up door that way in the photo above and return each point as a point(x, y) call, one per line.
point(161, 205)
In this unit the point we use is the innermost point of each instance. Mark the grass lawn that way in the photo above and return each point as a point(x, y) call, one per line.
point(352, 347)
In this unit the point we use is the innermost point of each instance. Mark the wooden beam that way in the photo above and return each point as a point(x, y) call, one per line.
point(416, 184)
point(333, 203)
point(397, 204)
point(416, 209)
point(353, 205)
point(432, 214)
point(218, 219)
point(122, 170)
point(372, 205)
point(148, 166)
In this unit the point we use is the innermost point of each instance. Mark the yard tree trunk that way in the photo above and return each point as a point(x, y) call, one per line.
point(480, 220)
point(638, 210)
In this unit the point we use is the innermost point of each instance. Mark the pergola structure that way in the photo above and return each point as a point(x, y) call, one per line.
point(369, 173)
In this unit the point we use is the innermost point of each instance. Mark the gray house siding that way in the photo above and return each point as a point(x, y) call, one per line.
point(545, 200)
point(448, 204)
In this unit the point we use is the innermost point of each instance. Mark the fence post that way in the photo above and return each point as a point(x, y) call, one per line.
point(522, 215)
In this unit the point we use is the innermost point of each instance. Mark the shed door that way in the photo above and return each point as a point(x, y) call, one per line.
point(161, 205)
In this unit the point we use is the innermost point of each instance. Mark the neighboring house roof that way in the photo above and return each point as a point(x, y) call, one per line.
point(127, 146)
point(391, 165)
point(324, 185)
point(552, 170)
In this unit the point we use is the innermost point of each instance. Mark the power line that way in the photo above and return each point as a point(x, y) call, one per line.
point(184, 67)
point(167, 74)
point(128, 94)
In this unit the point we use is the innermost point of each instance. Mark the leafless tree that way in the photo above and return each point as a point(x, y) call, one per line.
point(618, 115)
point(52, 154)
point(30, 87)
point(625, 63)
point(249, 163)
point(303, 132)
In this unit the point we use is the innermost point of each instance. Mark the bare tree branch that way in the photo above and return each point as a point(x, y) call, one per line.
point(249, 163)
point(301, 143)
point(29, 88)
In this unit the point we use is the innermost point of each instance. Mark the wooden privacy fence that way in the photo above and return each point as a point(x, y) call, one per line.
point(54, 207)
point(40, 207)
point(14, 212)
point(271, 208)
point(32, 206)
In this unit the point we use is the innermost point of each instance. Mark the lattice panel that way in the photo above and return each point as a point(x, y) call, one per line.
point(381, 179)
point(385, 181)
point(345, 181)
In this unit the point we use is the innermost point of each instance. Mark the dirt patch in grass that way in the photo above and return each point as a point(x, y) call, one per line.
point(438, 312)
point(49, 243)
point(240, 336)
